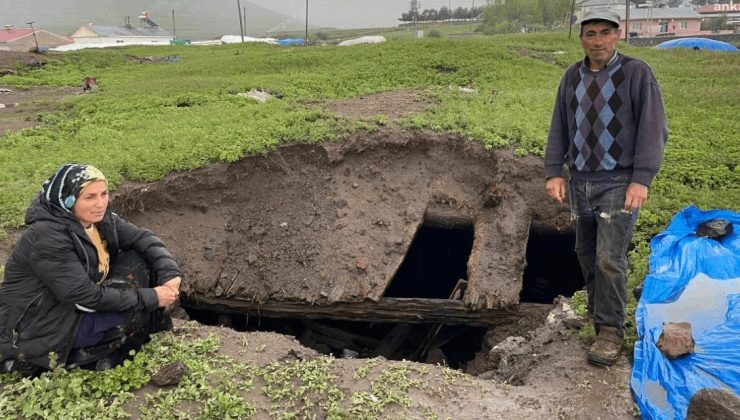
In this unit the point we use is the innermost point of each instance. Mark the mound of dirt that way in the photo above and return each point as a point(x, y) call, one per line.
point(21, 106)
point(332, 222)
point(393, 105)
point(558, 382)
point(20, 61)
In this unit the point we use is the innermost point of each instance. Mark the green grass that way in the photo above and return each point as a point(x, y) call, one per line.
point(218, 386)
point(148, 120)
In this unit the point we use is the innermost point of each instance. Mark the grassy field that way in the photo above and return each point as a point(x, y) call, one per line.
point(151, 119)
point(148, 120)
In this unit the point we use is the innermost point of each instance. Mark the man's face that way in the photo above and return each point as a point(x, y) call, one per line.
point(599, 39)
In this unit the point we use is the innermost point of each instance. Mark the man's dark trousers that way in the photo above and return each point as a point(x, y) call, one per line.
point(603, 233)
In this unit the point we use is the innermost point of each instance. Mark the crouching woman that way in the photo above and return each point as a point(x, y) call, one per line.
point(82, 287)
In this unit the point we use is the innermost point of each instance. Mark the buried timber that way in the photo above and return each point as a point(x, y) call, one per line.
point(379, 245)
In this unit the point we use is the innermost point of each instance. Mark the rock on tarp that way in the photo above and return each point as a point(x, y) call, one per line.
point(697, 280)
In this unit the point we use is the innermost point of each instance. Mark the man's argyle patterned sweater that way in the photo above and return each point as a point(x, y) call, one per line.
point(607, 123)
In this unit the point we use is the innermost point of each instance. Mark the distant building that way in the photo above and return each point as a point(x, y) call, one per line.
point(652, 21)
point(731, 10)
point(146, 33)
point(22, 39)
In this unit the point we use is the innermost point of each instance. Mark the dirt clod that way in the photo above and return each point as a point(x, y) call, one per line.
point(170, 374)
point(676, 340)
point(716, 404)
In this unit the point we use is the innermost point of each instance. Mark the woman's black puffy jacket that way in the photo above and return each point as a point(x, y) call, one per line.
point(54, 266)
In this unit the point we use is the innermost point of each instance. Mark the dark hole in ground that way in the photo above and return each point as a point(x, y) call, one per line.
point(552, 266)
point(435, 261)
point(451, 345)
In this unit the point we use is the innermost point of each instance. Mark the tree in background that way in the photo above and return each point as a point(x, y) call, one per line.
point(444, 13)
point(706, 2)
point(525, 16)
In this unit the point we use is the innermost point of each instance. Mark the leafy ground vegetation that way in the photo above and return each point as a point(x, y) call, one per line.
point(148, 120)
point(219, 386)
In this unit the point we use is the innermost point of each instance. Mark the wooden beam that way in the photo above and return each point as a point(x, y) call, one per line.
point(447, 219)
point(408, 310)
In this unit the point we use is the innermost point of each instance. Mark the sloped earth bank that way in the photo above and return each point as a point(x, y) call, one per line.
point(553, 380)
point(332, 222)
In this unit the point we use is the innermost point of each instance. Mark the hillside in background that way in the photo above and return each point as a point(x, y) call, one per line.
point(193, 19)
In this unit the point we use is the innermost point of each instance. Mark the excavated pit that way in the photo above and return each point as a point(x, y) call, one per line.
point(413, 243)
point(552, 265)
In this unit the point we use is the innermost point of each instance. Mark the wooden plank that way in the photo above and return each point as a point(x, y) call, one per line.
point(447, 219)
point(409, 310)
point(352, 340)
point(393, 340)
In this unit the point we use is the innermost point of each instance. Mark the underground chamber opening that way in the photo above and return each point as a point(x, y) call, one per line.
point(450, 345)
point(552, 265)
point(436, 261)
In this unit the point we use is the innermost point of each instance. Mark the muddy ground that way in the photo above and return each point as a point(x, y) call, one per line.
point(20, 107)
point(332, 222)
point(541, 374)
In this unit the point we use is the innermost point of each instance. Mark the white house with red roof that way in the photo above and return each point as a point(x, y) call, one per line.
point(22, 39)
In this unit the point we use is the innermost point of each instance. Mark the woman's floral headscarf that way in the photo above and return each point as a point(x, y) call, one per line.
point(63, 188)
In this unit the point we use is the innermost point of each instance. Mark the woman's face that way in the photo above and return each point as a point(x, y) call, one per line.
point(91, 204)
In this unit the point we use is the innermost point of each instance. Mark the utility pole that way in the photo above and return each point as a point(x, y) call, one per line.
point(305, 40)
point(570, 23)
point(414, 9)
point(174, 28)
point(241, 23)
point(244, 9)
point(627, 22)
point(36, 41)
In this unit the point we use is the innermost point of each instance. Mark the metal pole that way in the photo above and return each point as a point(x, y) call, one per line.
point(572, 11)
point(305, 40)
point(241, 25)
point(244, 9)
point(34, 37)
point(627, 22)
point(174, 28)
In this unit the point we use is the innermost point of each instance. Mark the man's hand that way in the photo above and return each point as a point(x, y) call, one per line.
point(635, 197)
point(556, 188)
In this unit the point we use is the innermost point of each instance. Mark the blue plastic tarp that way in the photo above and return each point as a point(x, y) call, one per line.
point(698, 44)
point(697, 280)
point(290, 41)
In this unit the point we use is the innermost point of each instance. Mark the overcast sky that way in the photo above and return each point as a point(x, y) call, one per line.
point(199, 19)
point(355, 13)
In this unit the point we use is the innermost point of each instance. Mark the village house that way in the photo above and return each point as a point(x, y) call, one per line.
point(652, 21)
point(731, 10)
point(22, 39)
point(147, 32)
point(647, 20)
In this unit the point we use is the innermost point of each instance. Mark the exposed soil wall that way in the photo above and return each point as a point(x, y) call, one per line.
point(332, 222)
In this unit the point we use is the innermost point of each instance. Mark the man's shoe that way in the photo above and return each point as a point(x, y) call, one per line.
point(607, 348)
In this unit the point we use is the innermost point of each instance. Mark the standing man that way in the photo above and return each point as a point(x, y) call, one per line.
point(609, 127)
